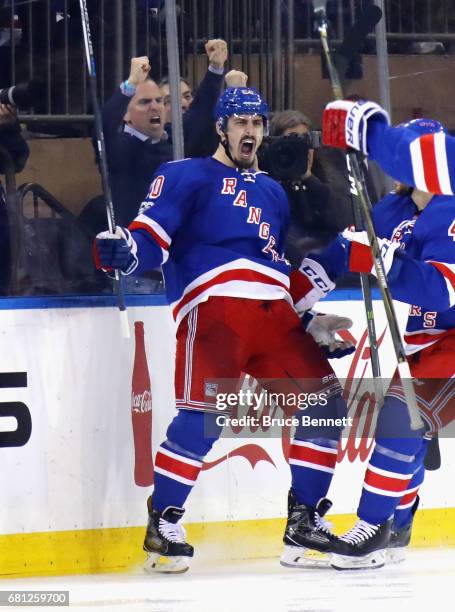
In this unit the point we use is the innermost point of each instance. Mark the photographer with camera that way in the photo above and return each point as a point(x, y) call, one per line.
point(288, 155)
point(14, 153)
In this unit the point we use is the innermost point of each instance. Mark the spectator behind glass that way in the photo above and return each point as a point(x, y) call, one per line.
point(138, 140)
point(14, 153)
point(310, 226)
point(185, 99)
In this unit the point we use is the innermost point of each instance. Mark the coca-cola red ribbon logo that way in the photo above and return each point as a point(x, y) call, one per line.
point(361, 408)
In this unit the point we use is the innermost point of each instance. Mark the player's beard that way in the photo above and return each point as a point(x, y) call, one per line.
point(239, 163)
point(243, 163)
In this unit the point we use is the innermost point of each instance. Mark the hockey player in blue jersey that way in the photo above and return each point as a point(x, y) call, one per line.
point(218, 226)
point(417, 239)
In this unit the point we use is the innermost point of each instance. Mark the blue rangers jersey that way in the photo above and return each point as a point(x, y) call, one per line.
point(427, 162)
point(423, 269)
point(216, 231)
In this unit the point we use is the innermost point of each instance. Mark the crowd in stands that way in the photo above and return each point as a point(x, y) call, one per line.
point(138, 137)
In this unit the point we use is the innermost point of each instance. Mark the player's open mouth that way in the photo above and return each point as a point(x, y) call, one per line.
point(246, 147)
point(155, 120)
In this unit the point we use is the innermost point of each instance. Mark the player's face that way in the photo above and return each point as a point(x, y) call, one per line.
point(146, 110)
point(186, 97)
point(245, 134)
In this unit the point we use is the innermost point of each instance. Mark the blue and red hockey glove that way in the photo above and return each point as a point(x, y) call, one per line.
point(115, 251)
point(345, 123)
point(360, 256)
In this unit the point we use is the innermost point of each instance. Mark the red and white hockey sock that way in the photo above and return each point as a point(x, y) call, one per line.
point(312, 464)
point(406, 506)
point(387, 479)
point(175, 476)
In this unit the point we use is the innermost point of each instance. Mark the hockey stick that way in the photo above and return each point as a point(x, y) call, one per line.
point(102, 158)
point(365, 208)
point(352, 44)
point(432, 459)
point(363, 25)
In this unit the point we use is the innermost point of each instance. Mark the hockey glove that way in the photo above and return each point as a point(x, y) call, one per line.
point(323, 328)
point(309, 284)
point(345, 123)
point(115, 251)
point(360, 256)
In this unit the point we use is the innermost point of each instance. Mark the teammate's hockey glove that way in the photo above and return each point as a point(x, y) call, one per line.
point(345, 123)
point(309, 284)
point(323, 328)
point(360, 256)
point(115, 251)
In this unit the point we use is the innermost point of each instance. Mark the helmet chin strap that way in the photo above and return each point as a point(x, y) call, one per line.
point(225, 143)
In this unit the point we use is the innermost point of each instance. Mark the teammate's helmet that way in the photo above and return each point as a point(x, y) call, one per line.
point(424, 126)
point(241, 101)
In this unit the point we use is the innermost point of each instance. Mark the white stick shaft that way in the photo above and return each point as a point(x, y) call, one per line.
point(406, 380)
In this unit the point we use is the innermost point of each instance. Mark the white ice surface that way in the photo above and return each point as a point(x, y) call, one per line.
point(425, 581)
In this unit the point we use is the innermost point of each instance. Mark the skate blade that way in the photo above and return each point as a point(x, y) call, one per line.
point(395, 555)
point(165, 565)
point(296, 556)
point(374, 560)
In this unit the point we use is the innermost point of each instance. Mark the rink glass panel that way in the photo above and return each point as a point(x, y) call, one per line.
point(47, 227)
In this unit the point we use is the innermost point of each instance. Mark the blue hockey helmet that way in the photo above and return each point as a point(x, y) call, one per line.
point(423, 126)
point(241, 101)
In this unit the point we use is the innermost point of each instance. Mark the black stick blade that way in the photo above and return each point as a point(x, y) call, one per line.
point(432, 459)
point(357, 35)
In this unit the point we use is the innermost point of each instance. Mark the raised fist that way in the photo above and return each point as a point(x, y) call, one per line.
point(236, 78)
point(139, 71)
point(217, 52)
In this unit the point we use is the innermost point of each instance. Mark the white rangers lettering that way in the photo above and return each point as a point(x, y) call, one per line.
point(429, 319)
point(269, 248)
point(229, 185)
point(415, 311)
point(240, 200)
point(264, 230)
point(254, 215)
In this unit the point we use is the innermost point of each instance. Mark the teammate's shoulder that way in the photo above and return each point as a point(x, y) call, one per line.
point(440, 210)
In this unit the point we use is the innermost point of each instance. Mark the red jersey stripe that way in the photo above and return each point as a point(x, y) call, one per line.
point(225, 277)
point(422, 338)
point(135, 225)
point(430, 166)
point(445, 271)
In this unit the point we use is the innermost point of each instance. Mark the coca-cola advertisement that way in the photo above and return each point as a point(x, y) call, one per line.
point(141, 411)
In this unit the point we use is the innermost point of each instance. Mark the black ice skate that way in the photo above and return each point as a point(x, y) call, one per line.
point(400, 538)
point(164, 541)
point(363, 547)
point(307, 536)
